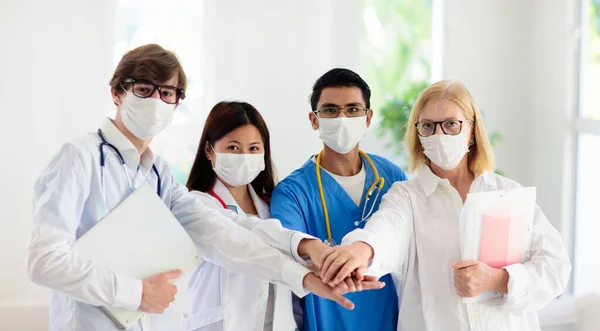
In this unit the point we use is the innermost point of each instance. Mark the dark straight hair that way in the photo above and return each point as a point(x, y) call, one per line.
point(222, 119)
point(339, 77)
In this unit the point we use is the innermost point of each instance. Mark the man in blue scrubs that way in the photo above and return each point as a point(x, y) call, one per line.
point(341, 112)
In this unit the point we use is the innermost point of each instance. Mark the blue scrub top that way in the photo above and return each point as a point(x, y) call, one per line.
point(297, 203)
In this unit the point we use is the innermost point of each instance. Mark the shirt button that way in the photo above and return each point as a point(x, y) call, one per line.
point(264, 295)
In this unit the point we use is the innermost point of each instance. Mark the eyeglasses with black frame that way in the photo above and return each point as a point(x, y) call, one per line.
point(449, 127)
point(332, 111)
point(144, 89)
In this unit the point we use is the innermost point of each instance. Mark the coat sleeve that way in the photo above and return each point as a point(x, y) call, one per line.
point(387, 232)
point(60, 195)
point(225, 243)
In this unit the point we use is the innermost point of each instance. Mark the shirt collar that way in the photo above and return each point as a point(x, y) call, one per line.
point(430, 181)
point(484, 181)
point(130, 154)
point(223, 192)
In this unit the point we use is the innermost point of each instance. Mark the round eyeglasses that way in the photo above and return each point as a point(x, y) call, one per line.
point(450, 127)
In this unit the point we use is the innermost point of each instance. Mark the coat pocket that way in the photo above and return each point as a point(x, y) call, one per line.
point(204, 320)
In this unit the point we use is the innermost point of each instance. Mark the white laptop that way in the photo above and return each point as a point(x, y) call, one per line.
point(139, 238)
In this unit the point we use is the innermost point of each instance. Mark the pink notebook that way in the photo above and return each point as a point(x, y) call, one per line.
point(501, 241)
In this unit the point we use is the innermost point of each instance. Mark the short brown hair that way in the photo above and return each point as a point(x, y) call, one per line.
point(149, 62)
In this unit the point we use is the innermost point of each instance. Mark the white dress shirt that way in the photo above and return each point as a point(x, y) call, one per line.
point(415, 234)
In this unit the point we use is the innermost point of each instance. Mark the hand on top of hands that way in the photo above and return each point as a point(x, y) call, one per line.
point(341, 269)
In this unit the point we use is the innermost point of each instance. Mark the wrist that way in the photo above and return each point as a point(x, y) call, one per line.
point(364, 250)
point(305, 246)
point(307, 280)
point(311, 248)
point(500, 281)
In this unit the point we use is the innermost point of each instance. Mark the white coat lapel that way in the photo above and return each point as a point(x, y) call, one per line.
point(261, 206)
point(221, 190)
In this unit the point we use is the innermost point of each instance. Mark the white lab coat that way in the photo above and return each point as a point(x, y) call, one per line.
point(415, 234)
point(69, 201)
point(224, 301)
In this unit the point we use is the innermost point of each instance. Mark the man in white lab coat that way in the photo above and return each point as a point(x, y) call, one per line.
point(91, 176)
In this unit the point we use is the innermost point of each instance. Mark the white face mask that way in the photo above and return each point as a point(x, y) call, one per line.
point(238, 169)
point(342, 134)
point(145, 117)
point(445, 151)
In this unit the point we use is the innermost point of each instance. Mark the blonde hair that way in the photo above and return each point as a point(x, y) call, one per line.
point(481, 156)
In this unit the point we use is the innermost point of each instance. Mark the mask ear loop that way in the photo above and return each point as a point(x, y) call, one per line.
point(214, 151)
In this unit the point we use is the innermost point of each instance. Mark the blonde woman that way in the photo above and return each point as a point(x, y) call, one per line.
point(415, 234)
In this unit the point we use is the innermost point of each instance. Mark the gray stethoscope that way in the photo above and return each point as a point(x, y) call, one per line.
point(103, 144)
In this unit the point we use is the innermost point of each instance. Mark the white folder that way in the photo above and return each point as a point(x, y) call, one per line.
point(139, 238)
point(497, 228)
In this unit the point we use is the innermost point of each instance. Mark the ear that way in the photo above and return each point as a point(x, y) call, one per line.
point(369, 116)
point(314, 121)
point(117, 96)
point(208, 150)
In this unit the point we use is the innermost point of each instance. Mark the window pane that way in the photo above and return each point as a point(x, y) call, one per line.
point(590, 65)
point(587, 231)
point(397, 57)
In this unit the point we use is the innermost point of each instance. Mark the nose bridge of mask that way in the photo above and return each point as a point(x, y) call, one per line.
point(151, 105)
point(238, 161)
point(342, 126)
point(445, 150)
point(459, 139)
point(238, 169)
point(145, 117)
point(433, 144)
point(329, 125)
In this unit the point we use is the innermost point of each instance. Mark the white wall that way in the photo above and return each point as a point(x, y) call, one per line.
point(488, 47)
point(269, 53)
point(554, 104)
point(516, 58)
point(56, 60)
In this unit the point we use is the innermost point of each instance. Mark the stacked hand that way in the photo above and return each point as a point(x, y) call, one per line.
point(336, 271)
point(341, 269)
point(338, 264)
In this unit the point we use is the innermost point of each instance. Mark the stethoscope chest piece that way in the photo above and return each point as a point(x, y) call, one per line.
point(329, 242)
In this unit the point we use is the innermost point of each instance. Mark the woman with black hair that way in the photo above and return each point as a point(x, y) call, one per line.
point(233, 170)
